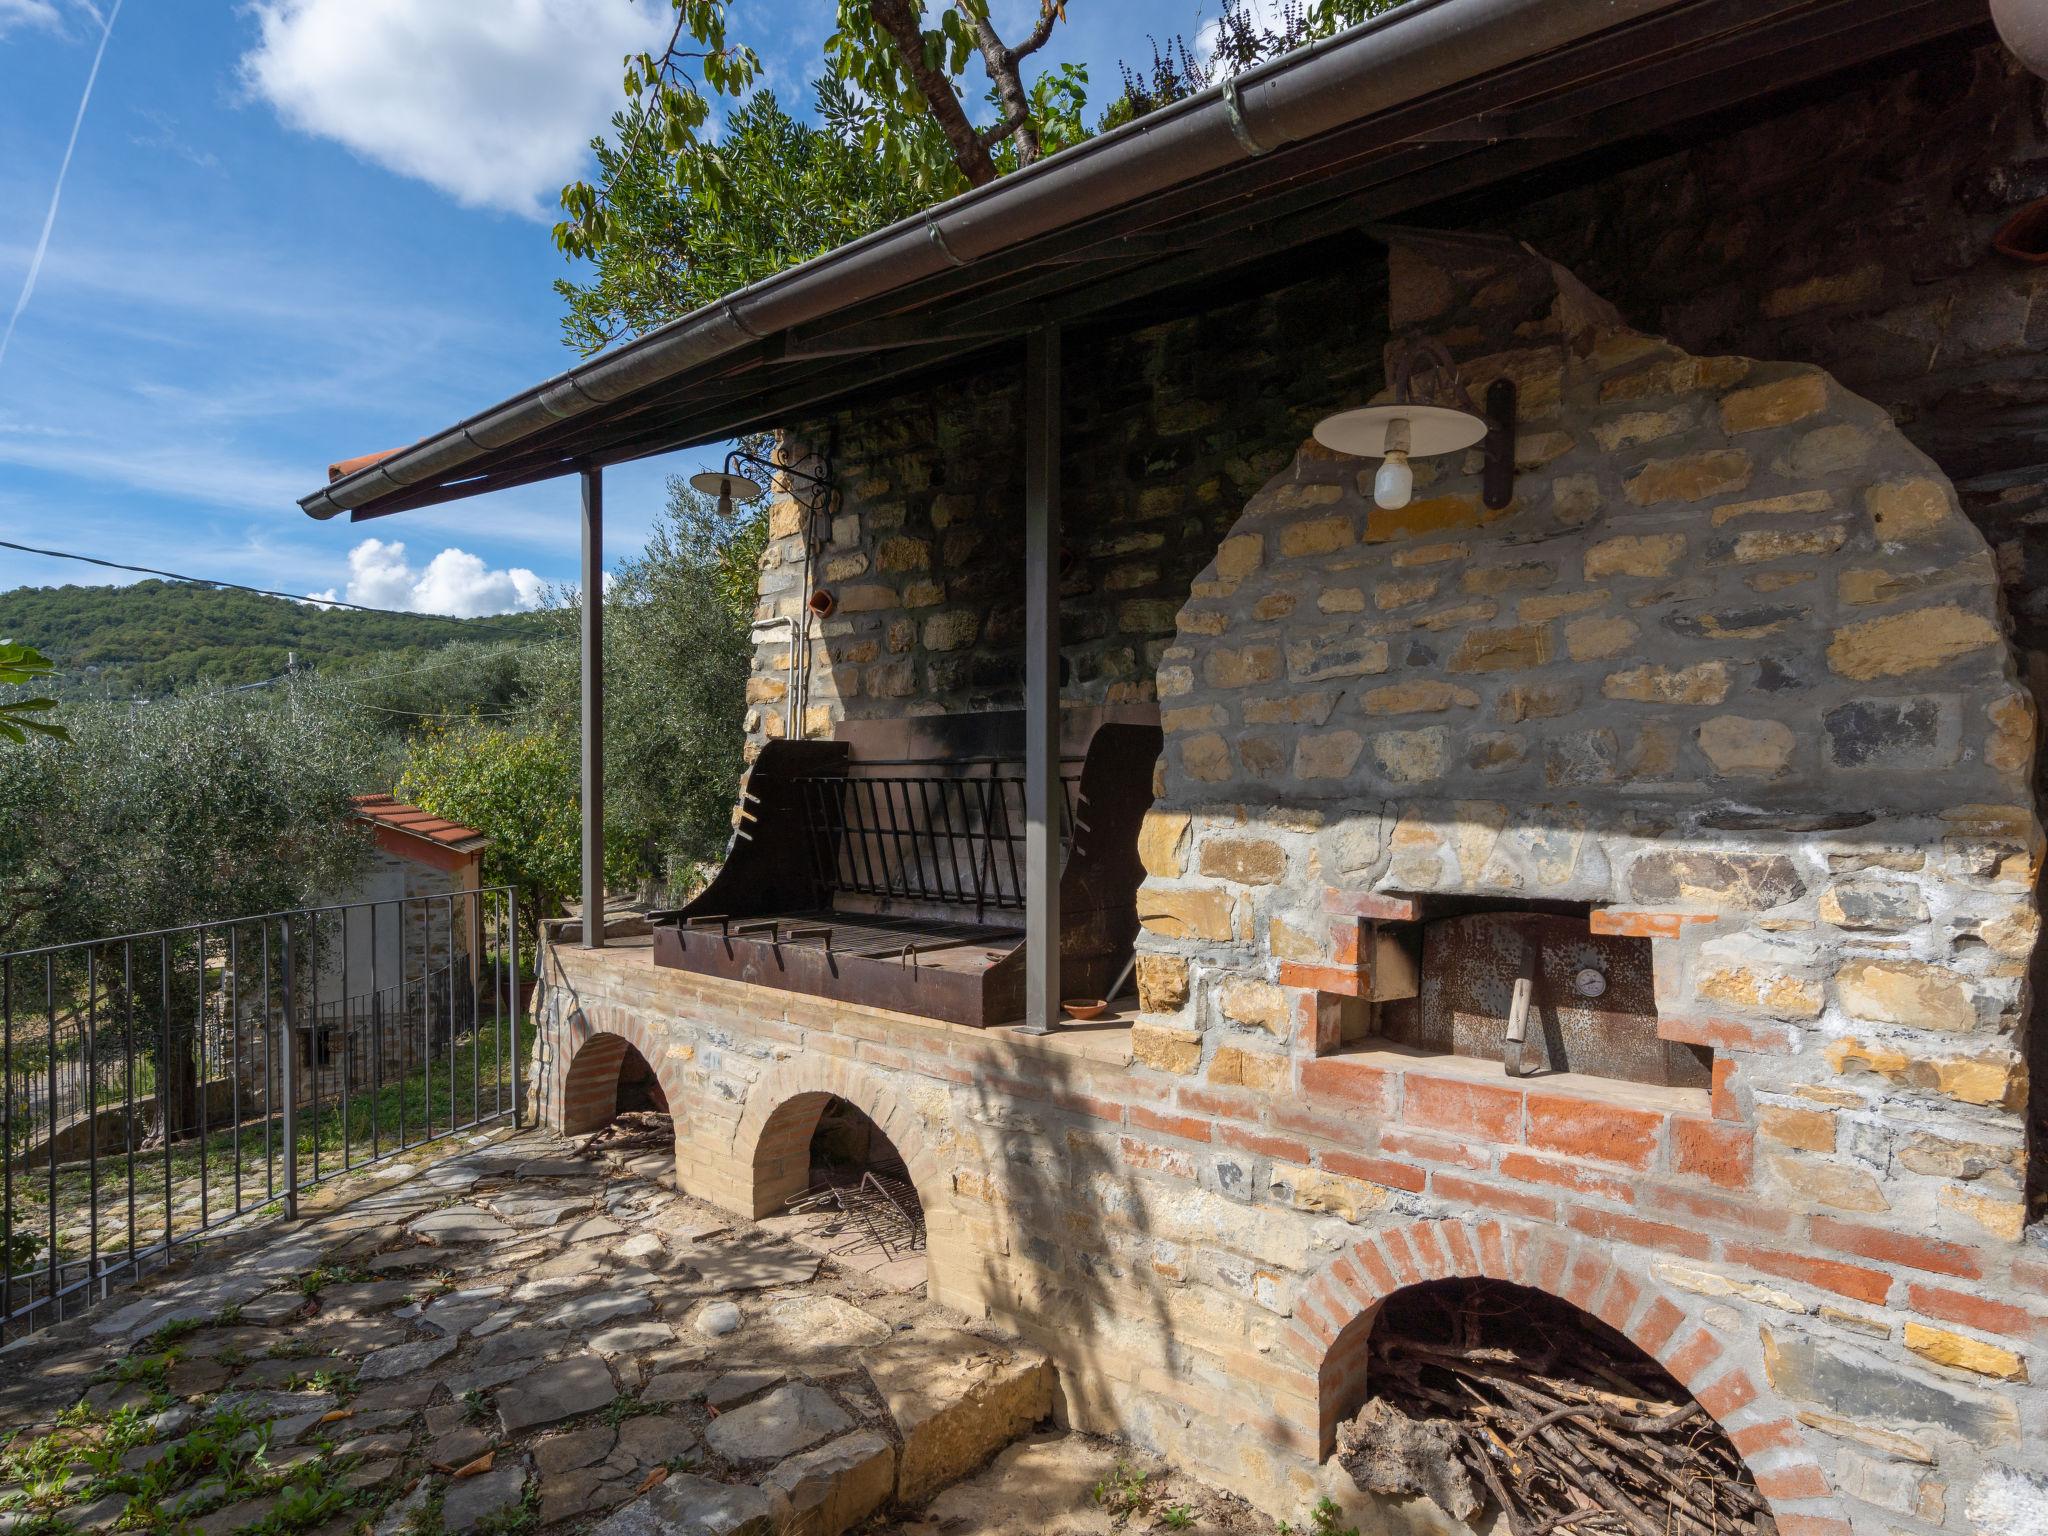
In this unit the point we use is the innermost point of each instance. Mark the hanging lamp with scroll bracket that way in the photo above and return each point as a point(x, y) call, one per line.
point(1405, 430)
point(730, 485)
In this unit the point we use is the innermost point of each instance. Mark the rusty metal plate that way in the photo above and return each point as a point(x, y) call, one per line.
point(1592, 1007)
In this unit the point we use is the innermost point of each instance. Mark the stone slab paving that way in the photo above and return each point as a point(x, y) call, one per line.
point(524, 1337)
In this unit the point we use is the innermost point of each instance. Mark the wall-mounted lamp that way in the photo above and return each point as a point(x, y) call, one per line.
point(729, 485)
point(1395, 434)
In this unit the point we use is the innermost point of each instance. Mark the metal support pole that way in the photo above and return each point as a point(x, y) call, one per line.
point(593, 709)
point(1041, 681)
point(288, 1054)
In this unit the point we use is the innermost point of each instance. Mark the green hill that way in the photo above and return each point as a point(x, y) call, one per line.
point(155, 637)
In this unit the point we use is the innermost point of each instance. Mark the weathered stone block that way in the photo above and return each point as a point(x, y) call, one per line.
point(1333, 1194)
point(1423, 696)
point(1341, 655)
point(1763, 406)
point(1232, 1066)
point(1908, 511)
point(1692, 478)
point(1512, 648)
point(956, 1401)
point(1914, 731)
point(1634, 554)
point(1596, 639)
point(1184, 914)
point(1245, 860)
point(1908, 993)
point(1316, 536)
point(1260, 1004)
point(1328, 755)
point(1740, 747)
point(1751, 881)
point(1961, 1353)
point(1163, 838)
point(1705, 682)
point(1167, 1050)
point(1863, 1385)
point(1900, 644)
point(1163, 985)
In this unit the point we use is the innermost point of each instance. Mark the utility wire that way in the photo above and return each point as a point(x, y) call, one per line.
point(208, 581)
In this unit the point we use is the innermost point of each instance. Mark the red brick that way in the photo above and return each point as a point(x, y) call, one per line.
point(1700, 1350)
point(1464, 1259)
point(1221, 1103)
point(1589, 1128)
point(1374, 1170)
point(1350, 1083)
point(1493, 1258)
point(1261, 1144)
point(1374, 1263)
point(1318, 1126)
point(1636, 925)
point(1543, 1264)
point(1146, 1154)
point(1187, 1127)
point(1616, 1227)
point(1582, 1181)
point(1657, 1326)
point(1450, 1104)
point(1730, 1034)
point(1400, 1257)
point(1778, 1435)
point(1343, 980)
point(1722, 1102)
point(1345, 1271)
point(1976, 1312)
point(1428, 1240)
point(1884, 1247)
point(1709, 1149)
point(1383, 909)
point(1431, 1149)
point(1814, 1525)
point(1746, 1214)
point(1469, 1193)
point(1851, 1280)
point(2031, 1274)
point(1583, 1280)
point(1727, 1393)
point(1801, 1480)
point(1619, 1304)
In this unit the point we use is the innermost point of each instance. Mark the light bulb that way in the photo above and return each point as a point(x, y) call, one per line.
point(1395, 482)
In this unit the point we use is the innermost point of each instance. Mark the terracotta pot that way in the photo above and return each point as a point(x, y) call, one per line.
point(1085, 1007)
point(2024, 236)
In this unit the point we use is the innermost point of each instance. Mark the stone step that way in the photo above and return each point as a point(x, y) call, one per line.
point(954, 1398)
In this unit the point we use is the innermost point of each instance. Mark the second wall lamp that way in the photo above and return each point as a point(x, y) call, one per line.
point(1394, 434)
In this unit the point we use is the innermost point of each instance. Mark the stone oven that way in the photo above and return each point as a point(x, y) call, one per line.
point(1712, 734)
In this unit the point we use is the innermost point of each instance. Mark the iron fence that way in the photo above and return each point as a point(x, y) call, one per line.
point(158, 1086)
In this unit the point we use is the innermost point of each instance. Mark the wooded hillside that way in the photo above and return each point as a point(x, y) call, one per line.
point(154, 637)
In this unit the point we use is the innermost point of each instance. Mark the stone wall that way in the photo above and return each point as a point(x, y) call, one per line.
point(1161, 448)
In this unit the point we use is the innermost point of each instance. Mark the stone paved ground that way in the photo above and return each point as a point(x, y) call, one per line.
point(524, 1337)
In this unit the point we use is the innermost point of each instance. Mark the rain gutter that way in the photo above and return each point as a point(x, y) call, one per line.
point(1393, 60)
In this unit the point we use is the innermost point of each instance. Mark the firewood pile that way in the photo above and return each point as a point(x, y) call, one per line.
point(630, 1131)
point(1484, 1390)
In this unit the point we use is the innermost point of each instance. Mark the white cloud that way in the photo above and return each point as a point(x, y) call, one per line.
point(454, 582)
point(493, 104)
point(44, 15)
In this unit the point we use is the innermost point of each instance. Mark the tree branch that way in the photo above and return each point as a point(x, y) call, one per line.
point(896, 18)
point(1000, 60)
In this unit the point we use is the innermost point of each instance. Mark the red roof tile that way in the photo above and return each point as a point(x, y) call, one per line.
point(343, 467)
point(387, 812)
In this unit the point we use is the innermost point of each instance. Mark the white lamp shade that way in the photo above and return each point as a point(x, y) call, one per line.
point(1432, 429)
point(715, 482)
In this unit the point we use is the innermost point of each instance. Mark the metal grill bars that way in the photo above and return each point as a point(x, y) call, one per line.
point(160, 1085)
point(950, 833)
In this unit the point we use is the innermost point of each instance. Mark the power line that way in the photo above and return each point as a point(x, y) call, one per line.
point(208, 581)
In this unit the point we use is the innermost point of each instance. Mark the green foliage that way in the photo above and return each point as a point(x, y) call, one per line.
point(170, 813)
point(153, 638)
point(1123, 1494)
point(521, 789)
point(677, 654)
point(20, 666)
point(1322, 1521)
point(1177, 1517)
point(682, 229)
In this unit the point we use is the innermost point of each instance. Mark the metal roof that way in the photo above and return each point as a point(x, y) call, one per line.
point(1435, 101)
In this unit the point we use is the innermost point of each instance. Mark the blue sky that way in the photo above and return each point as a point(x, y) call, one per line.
point(296, 230)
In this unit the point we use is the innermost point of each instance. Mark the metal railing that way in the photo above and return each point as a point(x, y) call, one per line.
point(159, 1086)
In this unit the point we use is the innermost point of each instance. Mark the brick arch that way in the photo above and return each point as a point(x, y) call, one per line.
point(581, 1082)
point(1336, 1308)
point(770, 1149)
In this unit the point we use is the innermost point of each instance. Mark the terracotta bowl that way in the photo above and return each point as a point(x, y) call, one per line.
point(1085, 1007)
